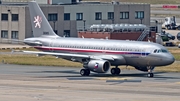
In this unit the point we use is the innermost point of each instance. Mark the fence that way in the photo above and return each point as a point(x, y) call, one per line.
point(11, 41)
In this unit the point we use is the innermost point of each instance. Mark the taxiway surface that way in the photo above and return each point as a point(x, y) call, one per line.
point(46, 83)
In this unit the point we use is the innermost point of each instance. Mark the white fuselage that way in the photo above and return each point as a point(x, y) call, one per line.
point(132, 53)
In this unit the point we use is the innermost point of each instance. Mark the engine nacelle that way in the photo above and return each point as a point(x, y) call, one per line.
point(98, 66)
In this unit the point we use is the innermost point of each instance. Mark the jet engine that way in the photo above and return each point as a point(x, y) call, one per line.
point(98, 66)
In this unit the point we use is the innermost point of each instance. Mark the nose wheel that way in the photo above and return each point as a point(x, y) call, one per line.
point(115, 71)
point(150, 69)
point(150, 75)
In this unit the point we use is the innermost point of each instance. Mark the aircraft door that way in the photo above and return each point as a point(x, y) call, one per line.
point(104, 50)
point(143, 53)
point(51, 45)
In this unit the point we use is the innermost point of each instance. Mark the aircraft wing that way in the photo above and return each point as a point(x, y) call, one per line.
point(57, 54)
point(104, 57)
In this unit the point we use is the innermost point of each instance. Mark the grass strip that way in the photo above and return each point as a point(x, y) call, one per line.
point(26, 59)
point(34, 60)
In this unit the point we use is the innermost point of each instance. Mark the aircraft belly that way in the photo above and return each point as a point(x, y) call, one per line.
point(144, 61)
point(136, 61)
point(155, 61)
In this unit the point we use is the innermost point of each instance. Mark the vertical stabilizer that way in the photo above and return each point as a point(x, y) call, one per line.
point(39, 23)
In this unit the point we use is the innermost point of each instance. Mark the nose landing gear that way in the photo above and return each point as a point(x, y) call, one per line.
point(150, 69)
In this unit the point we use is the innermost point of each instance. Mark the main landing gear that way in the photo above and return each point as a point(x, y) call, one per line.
point(115, 71)
point(150, 69)
point(84, 72)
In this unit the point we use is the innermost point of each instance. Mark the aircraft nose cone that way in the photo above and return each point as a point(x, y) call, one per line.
point(170, 60)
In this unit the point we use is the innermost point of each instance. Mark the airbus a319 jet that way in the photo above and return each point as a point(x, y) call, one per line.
point(96, 55)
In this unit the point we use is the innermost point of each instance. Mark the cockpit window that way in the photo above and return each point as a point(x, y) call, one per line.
point(160, 51)
point(155, 50)
point(164, 51)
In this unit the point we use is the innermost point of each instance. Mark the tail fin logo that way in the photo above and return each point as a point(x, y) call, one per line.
point(37, 21)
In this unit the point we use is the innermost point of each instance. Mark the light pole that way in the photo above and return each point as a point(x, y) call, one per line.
point(84, 24)
point(141, 19)
point(54, 26)
point(112, 21)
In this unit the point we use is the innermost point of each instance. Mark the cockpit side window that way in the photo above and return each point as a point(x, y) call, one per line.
point(164, 51)
point(160, 51)
point(155, 50)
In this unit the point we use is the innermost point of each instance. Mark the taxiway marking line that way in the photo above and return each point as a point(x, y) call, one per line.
point(113, 78)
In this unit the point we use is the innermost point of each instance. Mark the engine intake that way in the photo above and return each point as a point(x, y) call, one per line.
point(98, 66)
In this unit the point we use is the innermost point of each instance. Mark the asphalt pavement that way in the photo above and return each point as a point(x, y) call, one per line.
point(48, 83)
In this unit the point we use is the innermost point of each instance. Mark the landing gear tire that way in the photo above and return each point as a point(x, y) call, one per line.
point(150, 69)
point(87, 72)
point(150, 75)
point(118, 71)
point(84, 72)
point(115, 71)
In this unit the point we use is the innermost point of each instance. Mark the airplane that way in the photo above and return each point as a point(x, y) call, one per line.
point(96, 55)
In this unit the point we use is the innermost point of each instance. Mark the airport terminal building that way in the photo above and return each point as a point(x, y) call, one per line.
point(67, 18)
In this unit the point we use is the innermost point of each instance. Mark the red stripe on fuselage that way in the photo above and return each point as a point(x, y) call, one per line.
point(81, 50)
